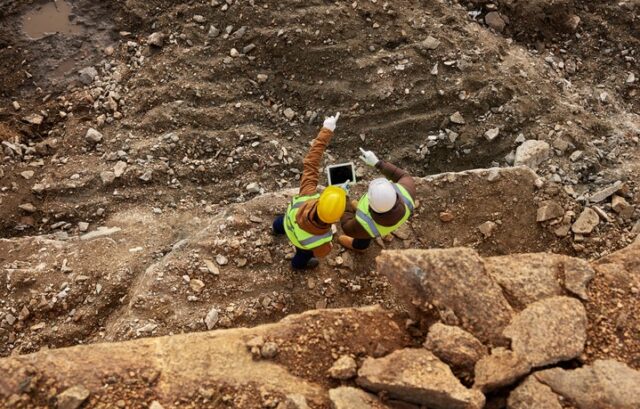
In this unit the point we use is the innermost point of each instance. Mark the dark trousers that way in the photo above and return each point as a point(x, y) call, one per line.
point(302, 257)
point(361, 244)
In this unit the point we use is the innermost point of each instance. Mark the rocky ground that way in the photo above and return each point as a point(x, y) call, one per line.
point(145, 153)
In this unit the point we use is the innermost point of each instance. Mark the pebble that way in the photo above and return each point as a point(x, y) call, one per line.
point(16, 105)
point(487, 228)
point(156, 40)
point(549, 210)
point(213, 32)
point(492, 134)
point(212, 318)
point(253, 188)
point(434, 70)
point(196, 285)
point(457, 118)
point(431, 43)
point(602, 194)
point(222, 260)
point(587, 221)
point(10, 318)
point(622, 207)
point(107, 177)
point(199, 19)
point(88, 75)
point(93, 135)
point(28, 207)
point(119, 168)
point(211, 267)
point(446, 217)
point(531, 153)
point(262, 78)
point(576, 155)
point(289, 113)
point(83, 226)
point(34, 119)
point(155, 405)
point(269, 350)
point(344, 368)
point(146, 176)
point(27, 174)
point(495, 21)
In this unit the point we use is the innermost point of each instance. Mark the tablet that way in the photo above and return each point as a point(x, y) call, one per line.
point(338, 174)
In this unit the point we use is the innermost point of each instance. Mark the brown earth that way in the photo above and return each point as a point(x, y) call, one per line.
point(196, 125)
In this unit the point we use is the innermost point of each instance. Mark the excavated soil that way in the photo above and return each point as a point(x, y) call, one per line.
point(203, 116)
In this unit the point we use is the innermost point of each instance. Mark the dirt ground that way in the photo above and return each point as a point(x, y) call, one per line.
point(192, 123)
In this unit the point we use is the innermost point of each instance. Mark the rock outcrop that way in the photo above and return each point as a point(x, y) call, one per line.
point(532, 394)
point(454, 281)
point(168, 368)
point(501, 368)
point(604, 384)
point(346, 397)
point(418, 376)
point(454, 346)
point(549, 331)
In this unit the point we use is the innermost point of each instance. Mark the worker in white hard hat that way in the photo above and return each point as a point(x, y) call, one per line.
point(387, 205)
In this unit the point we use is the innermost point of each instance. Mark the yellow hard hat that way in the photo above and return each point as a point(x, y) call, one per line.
point(331, 204)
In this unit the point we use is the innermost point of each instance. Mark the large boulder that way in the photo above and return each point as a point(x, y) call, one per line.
point(527, 278)
point(501, 368)
point(346, 397)
point(549, 331)
point(418, 376)
point(454, 346)
point(531, 394)
point(602, 385)
point(179, 367)
point(456, 282)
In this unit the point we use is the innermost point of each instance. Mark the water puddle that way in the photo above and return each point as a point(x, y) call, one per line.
point(51, 17)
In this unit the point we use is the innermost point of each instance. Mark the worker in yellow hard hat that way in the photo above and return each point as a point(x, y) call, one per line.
point(307, 222)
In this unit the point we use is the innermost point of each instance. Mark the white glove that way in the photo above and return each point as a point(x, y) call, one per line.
point(330, 122)
point(369, 157)
point(345, 186)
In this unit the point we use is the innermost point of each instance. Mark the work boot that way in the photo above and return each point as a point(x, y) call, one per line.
point(347, 242)
point(311, 264)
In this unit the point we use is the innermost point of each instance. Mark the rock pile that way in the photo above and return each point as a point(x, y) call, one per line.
point(318, 358)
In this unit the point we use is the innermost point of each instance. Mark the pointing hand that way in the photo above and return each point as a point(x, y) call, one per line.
point(330, 122)
point(369, 157)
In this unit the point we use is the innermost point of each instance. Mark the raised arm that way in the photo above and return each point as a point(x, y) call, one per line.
point(390, 171)
point(311, 162)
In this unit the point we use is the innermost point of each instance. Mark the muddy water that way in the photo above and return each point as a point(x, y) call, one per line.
point(51, 17)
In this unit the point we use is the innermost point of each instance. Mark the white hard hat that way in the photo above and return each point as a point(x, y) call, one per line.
point(382, 195)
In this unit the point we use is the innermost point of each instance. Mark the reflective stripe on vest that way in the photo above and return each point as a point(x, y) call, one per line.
point(363, 215)
point(298, 236)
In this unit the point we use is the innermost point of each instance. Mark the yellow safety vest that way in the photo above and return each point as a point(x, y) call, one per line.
point(299, 237)
point(363, 214)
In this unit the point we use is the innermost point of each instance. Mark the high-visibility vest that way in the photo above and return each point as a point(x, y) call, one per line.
point(299, 237)
point(363, 214)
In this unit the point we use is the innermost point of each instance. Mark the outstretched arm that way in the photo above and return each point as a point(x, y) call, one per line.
point(397, 175)
point(311, 162)
point(390, 171)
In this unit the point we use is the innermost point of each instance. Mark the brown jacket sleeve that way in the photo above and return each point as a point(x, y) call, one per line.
point(397, 175)
point(351, 227)
point(311, 163)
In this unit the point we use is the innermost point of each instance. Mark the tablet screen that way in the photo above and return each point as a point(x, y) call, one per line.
point(341, 173)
